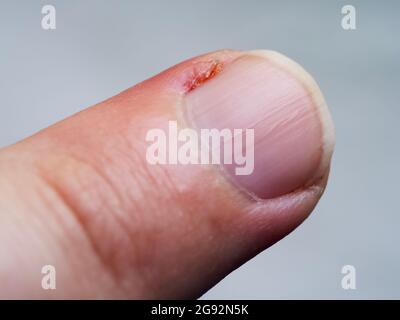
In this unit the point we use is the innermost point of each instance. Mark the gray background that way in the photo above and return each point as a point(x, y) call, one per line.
point(101, 47)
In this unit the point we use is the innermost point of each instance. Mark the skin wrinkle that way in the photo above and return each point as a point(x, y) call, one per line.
point(37, 192)
point(36, 222)
point(76, 212)
point(57, 202)
point(51, 243)
point(170, 184)
point(138, 175)
point(107, 257)
point(143, 260)
point(135, 256)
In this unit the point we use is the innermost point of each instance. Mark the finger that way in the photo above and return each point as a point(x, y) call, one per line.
point(129, 223)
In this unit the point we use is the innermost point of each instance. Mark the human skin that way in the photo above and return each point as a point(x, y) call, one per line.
point(81, 196)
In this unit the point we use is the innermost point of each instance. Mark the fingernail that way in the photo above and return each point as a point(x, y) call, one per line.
point(272, 96)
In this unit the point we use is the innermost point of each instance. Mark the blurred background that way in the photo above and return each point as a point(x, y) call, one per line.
point(100, 48)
